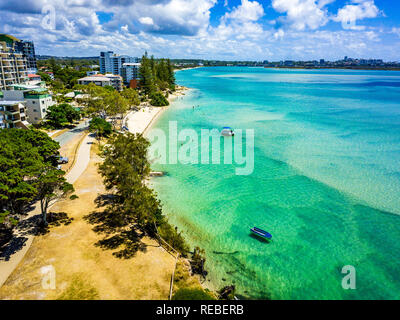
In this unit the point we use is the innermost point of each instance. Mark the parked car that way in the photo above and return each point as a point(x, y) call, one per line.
point(62, 160)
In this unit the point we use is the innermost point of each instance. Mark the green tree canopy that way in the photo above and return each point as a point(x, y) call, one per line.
point(50, 186)
point(133, 205)
point(131, 96)
point(58, 115)
point(158, 100)
point(101, 127)
point(23, 155)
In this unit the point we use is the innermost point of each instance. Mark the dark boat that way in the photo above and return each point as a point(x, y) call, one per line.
point(261, 233)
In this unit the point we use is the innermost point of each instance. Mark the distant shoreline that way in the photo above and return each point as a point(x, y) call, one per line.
point(189, 68)
point(301, 68)
point(333, 68)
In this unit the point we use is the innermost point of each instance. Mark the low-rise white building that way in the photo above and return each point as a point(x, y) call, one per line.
point(13, 115)
point(36, 99)
point(103, 80)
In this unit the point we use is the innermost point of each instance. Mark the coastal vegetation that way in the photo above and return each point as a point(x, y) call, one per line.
point(59, 116)
point(101, 127)
point(28, 173)
point(131, 209)
point(156, 78)
point(192, 294)
point(106, 102)
point(86, 271)
point(157, 99)
point(66, 72)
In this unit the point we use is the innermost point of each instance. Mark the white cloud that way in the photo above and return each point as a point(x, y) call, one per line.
point(358, 10)
point(146, 20)
point(302, 14)
point(396, 31)
point(181, 29)
point(246, 11)
point(279, 34)
point(241, 23)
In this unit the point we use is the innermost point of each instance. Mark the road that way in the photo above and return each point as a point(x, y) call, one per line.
point(19, 246)
point(69, 135)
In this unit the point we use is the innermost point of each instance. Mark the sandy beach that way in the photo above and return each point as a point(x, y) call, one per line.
point(140, 121)
point(188, 68)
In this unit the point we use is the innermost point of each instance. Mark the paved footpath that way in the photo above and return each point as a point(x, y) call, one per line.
point(70, 134)
point(23, 239)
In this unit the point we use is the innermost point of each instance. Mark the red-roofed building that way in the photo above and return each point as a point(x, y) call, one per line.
point(34, 77)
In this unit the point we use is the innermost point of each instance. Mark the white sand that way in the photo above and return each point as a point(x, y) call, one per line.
point(140, 121)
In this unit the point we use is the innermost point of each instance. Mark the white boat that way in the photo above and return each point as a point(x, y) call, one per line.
point(227, 132)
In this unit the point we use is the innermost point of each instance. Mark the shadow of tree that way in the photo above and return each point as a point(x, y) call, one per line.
point(15, 244)
point(56, 219)
point(32, 226)
point(35, 226)
point(110, 222)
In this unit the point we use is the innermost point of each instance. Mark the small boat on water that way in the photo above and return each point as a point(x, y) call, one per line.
point(261, 233)
point(227, 132)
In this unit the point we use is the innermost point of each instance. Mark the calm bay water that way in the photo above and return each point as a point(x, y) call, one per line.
point(326, 181)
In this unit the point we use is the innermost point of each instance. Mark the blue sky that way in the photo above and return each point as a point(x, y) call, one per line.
point(209, 29)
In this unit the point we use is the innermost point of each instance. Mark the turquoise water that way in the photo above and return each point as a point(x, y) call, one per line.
point(326, 181)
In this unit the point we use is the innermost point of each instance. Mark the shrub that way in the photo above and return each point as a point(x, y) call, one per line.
point(173, 238)
point(198, 261)
point(192, 294)
point(79, 289)
point(158, 100)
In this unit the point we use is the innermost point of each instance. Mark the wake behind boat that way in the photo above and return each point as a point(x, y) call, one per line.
point(261, 233)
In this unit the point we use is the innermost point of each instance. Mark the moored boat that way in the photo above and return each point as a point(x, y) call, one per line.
point(261, 233)
point(227, 132)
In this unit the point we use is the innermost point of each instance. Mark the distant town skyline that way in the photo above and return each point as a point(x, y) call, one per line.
point(226, 30)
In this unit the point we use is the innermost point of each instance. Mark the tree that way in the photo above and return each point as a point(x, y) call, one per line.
point(158, 100)
point(129, 148)
point(101, 127)
point(58, 115)
point(171, 75)
point(131, 96)
point(94, 101)
point(133, 206)
point(45, 77)
point(115, 104)
point(146, 76)
point(71, 113)
point(124, 170)
point(23, 156)
point(51, 185)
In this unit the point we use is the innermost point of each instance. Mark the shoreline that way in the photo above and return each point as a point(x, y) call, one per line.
point(142, 121)
point(190, 68)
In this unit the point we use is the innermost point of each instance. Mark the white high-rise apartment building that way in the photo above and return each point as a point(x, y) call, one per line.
point(111, 62)
point(13, 66)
